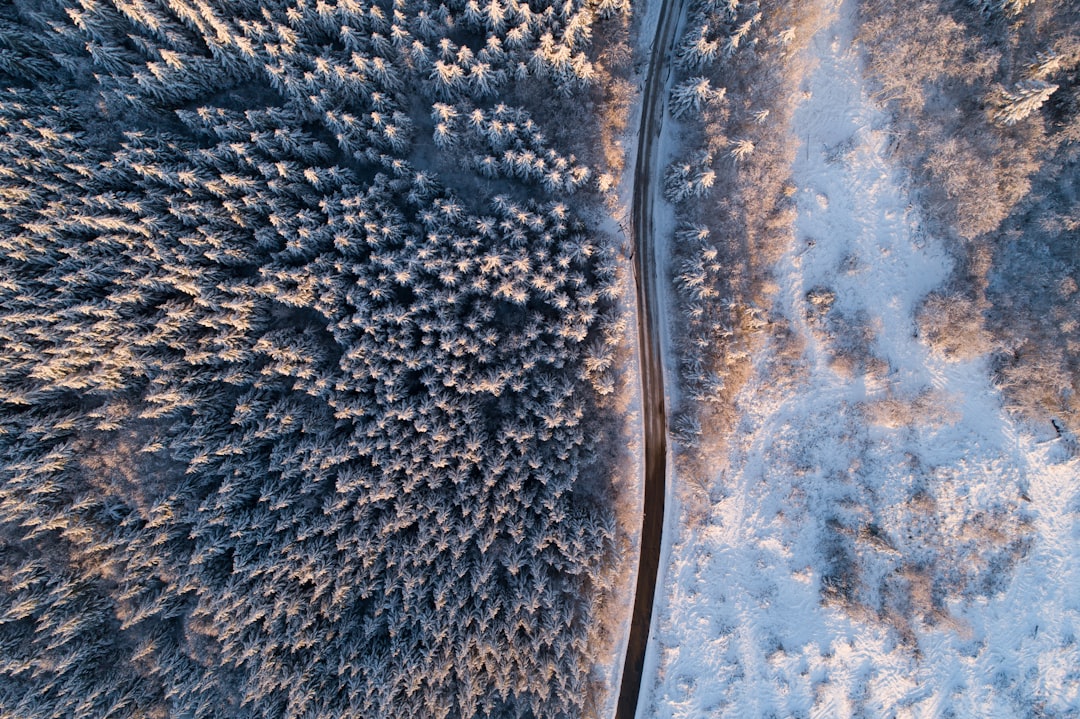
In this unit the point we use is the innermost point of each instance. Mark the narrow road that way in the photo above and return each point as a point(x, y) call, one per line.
point(646, 171)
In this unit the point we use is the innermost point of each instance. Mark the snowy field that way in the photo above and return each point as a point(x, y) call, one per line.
point(883, 540)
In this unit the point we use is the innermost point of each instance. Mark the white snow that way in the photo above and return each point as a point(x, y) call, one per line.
point(948, 533)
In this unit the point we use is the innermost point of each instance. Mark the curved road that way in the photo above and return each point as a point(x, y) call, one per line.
point(652, 370)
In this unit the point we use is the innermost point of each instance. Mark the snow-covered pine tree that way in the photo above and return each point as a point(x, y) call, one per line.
point(1018, 104)
point(693, 94)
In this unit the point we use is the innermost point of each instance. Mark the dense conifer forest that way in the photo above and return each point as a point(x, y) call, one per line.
point(306, 348)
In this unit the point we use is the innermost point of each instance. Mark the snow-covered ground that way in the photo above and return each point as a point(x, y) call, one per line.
point(884, 541)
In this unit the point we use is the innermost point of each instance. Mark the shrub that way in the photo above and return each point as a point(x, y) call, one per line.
point(953, 325)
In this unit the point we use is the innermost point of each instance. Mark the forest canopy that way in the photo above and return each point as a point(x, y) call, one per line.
point(305, 347)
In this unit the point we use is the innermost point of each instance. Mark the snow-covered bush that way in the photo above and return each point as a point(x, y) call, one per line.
point(953, 325)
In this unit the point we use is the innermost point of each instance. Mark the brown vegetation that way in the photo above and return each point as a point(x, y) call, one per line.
point(953, 325)
point(986, 98)
point(735, 117)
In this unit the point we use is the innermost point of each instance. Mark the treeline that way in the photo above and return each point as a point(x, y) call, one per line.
point(986, 98)
point(289, 427)
point(732, 96)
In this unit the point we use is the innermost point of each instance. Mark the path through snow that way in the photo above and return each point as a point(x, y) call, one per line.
point(884, 541)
